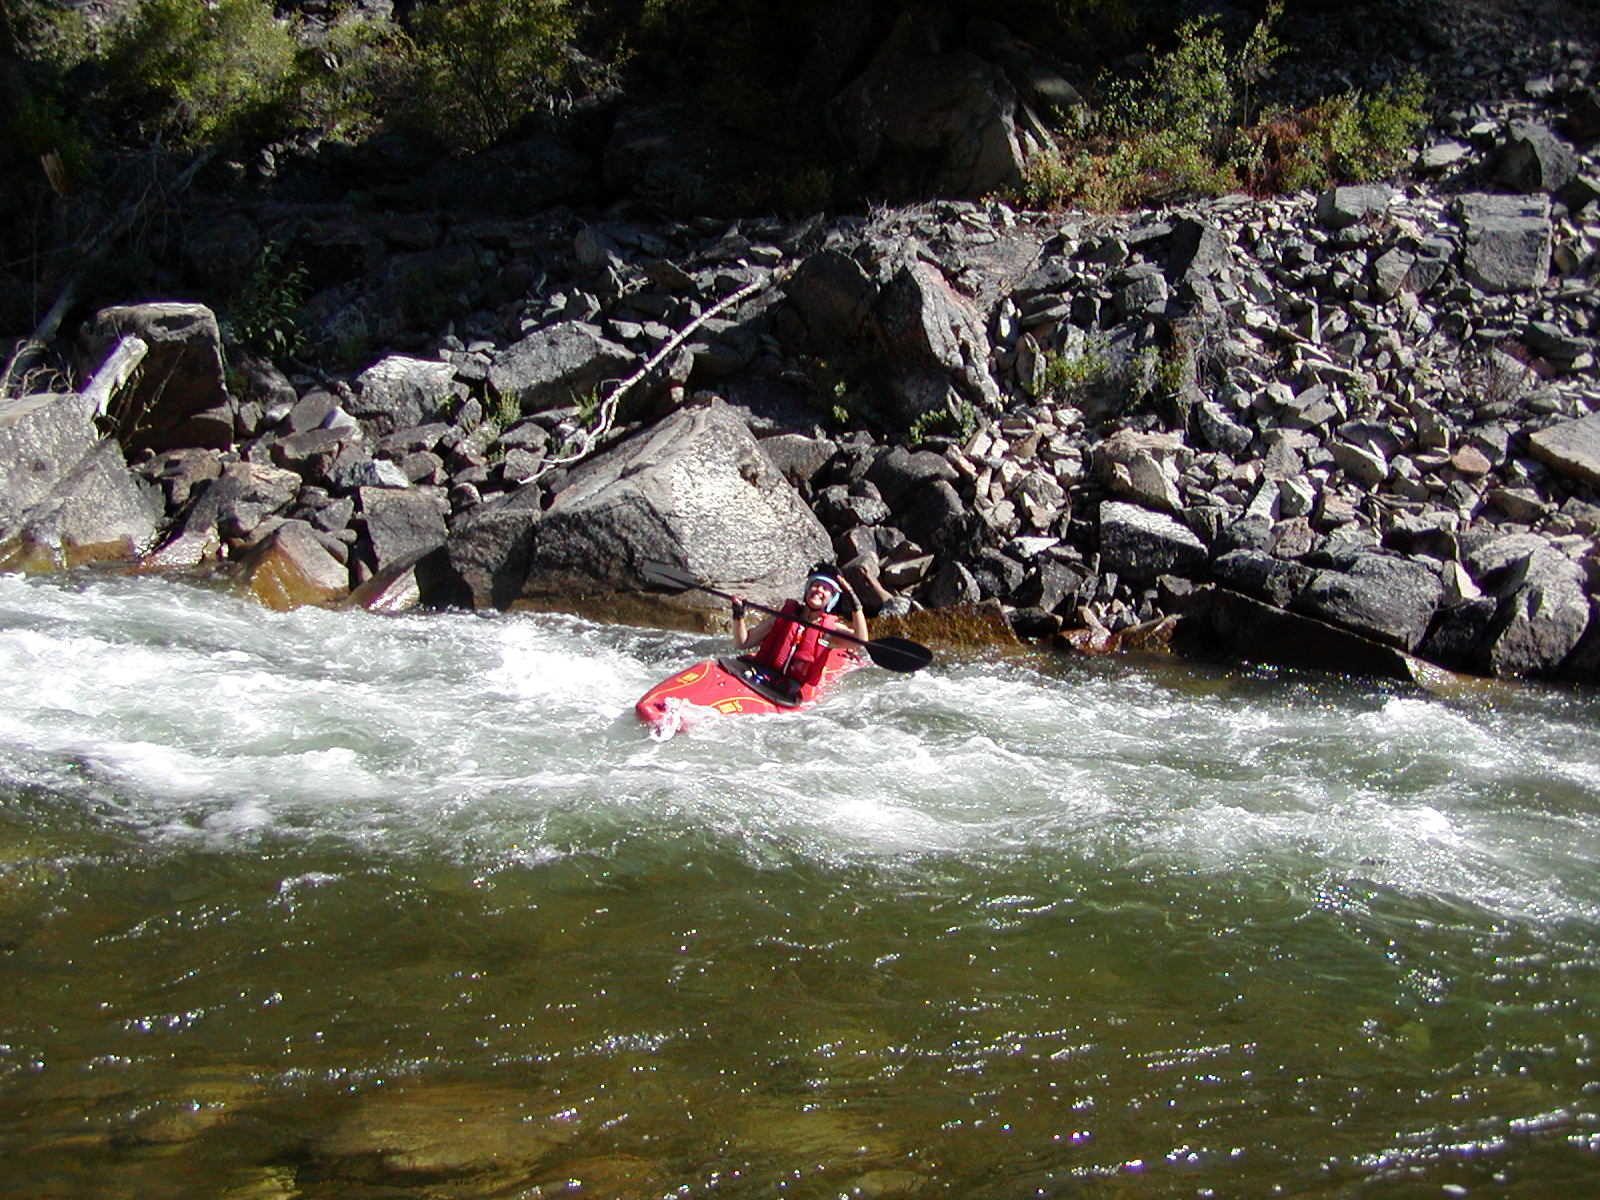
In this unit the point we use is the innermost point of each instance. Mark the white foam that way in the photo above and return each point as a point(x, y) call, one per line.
point(206, 718)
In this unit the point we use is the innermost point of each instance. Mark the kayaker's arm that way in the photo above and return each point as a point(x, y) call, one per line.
point(858, 618)
point(744, 638)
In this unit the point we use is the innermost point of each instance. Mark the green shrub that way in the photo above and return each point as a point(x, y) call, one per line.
point(1188, 126)
point(479, 66)
point(198, 74)
point(346, 80)
point(1350, 138)
point(40, 128)
point(44, 34)
point(1070, 374)
point(1371, 134)
point(1171, 131)
point(961, 423)
point(265, 315)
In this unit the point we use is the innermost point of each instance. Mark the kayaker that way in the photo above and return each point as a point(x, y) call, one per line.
point(791, 653)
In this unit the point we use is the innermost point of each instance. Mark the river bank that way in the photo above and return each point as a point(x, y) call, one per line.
point(1348, 428)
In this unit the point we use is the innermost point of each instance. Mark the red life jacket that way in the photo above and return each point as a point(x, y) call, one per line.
point(793, 649)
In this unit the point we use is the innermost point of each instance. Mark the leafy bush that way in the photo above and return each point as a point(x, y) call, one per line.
point(36, 126)
point(265, 314)
point(479, 66)
point(1188, 125)
point(346, 78)
point(40, 127)
point(199, 74)
point(1345, 139)
point(1170, 131)
point(1069, 374)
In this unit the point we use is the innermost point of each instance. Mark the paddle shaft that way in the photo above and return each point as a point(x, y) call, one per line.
point(894, 654)
point(778, 612)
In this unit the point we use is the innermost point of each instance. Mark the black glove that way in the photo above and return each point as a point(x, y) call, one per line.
point(738, 610)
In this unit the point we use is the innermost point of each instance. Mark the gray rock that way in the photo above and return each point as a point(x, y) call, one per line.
point(834, 297)
point(840, 509)
point(399, 391)
point(935, 517)
point(952, 584)
point(1342, 207)
point(368, 473)
point(309, 412)
point(95, 511)
point(694, 490)
point(559, 365)
point(1256, 631)
point(1220, 431)
point(247, 494)
point(898, 472)
point(1506, 241)
point(925, 326)
point(1571, 447)
point(180, 396)
point(799, 457)
point(945, 121)
point(42, 437)
point(1534, 160)
point(402, 526)
point(1139, 544)
point(1378, 595)
point(1583, 664)
point(1199, 250)
point(1261, 575)
point(1542, 619)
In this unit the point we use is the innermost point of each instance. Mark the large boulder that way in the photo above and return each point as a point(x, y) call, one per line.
point(1378, 595)
point(402, 524)
point(65, 492)
point(291, 567)
point(1542, 616)
point(180, 396)
point(1140, 544)
point(891, 309)
point(1534, 160)
point(1507, 241)
point(559, 365)
point(398, 391)
point(695, 491)
point(1248, 628)
point(929, 331)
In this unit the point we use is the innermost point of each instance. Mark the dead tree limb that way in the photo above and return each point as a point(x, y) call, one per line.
point(91, 251)
point(584, 439)
point(115, 372)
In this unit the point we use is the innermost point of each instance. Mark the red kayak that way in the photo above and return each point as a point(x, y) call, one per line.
point(739, 685)
point(734, 685)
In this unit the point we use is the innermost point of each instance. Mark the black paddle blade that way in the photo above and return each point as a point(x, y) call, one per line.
point(666, 575)
point(898, 654)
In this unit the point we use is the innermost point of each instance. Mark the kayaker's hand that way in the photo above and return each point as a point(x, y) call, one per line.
point(738, 608)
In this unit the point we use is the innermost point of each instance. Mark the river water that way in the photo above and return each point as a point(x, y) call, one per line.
point(329, 904)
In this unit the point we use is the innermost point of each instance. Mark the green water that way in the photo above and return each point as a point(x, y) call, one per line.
point(419, 911)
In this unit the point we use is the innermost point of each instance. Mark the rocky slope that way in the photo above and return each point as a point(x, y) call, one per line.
point(1355, 430)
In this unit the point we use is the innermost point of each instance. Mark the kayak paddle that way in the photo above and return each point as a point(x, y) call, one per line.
point(891, 653)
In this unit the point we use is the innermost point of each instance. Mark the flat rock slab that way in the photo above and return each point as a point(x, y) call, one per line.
point(1573, 448)
point(1507, 241)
